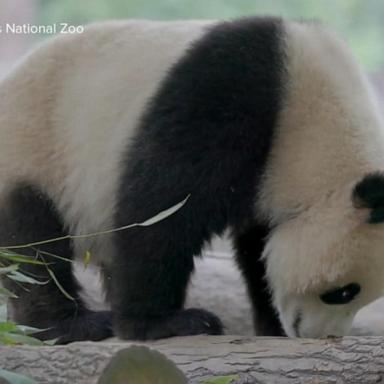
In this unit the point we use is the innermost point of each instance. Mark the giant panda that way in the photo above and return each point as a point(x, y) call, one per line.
point(267, 127)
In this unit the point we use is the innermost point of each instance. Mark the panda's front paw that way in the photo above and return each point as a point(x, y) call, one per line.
point(195, 322)
point(186, 322)
point(86, 326)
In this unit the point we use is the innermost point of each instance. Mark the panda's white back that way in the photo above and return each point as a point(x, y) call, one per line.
point(79, 99)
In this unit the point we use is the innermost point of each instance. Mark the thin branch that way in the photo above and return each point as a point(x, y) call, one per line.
point(159, 217)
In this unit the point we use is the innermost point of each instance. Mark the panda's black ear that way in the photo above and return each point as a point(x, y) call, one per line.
point(369, 194)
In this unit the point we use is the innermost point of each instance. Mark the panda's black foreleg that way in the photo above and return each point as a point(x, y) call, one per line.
point(150, 274)
point(55, 307)
point(249, 244)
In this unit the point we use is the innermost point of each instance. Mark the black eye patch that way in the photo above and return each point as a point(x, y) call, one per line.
point(342, 295)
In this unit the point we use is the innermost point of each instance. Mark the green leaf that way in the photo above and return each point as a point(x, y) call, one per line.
point(51, 342)
point(141, 365)
point(15, 334)
point(87, 258)
point(10, 268)
point(221, 380)
point(4, 292)
point(17, 339)
point(21, 278)
point(18, 258)
point(163, 214)
point(26, 330)
point(7, 326)
point(15, 378)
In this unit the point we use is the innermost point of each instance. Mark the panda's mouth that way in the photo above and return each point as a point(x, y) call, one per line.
point(296, 324)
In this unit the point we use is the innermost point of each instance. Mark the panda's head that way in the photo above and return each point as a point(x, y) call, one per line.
point(327, 262)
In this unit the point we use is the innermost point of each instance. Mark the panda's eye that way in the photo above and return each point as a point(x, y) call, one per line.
point(342, 295)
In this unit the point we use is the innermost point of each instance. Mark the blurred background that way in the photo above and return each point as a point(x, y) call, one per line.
point(360, 21)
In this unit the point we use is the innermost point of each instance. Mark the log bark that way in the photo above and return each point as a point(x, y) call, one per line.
point(255, 359)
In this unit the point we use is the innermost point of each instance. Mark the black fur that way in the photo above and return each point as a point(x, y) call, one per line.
point(29, 216)
point(369, 193)
point(249, 245)
point(207, 133)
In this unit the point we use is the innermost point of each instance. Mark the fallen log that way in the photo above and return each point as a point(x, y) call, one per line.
point(254, 359)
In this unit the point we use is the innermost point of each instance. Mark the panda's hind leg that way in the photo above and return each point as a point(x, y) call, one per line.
point(55, 307)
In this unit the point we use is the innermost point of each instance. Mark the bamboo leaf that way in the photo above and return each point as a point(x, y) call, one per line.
point(15, 258)
point(6, 293)
point(21, 278)
point(10, 268)
point(155, 219)
point(87, 259)
point(10, 338)
point(163, 214)
point(50, 342)
point(15, 378)
point(27, 330)
point(7, 327)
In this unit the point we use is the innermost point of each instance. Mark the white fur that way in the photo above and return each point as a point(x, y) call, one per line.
point(67, 113)
point(329, 136)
